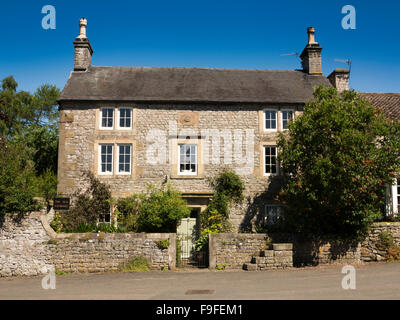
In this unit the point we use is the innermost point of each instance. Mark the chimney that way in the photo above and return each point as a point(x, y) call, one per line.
point(83, 49)
point(339, 78)
point(311, 55)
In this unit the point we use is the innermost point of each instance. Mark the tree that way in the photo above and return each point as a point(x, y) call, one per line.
point(23, 109)
point(336, 159)
point(29, 133)
point(17, 176)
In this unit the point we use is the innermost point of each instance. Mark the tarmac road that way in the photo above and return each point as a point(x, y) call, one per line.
point(373, 281)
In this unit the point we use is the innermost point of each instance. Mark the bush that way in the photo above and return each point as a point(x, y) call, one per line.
point(87, 207)
point(162, 210)
point(127, 212)
point(162, 244)
point(136, 264)
point(387, 242)
point(228, 188)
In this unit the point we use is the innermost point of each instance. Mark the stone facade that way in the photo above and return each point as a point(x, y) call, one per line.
point(248, 251)
point(80, 137)
point(28, 246)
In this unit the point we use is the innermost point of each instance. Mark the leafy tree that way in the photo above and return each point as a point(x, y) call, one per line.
point(337, 158)
point(162, 210)
point(28, 123)
point(23, 109)
point(17, 177)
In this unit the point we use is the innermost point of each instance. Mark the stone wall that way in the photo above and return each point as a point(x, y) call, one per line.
point(28, 246)
point(306, 253)
point(239, 250)
point(371, 248)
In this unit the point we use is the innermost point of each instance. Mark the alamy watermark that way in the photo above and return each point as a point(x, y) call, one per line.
point(349, 280)
point(49, 281)
point(227, 146)
point(349, 20)
point(49, 20)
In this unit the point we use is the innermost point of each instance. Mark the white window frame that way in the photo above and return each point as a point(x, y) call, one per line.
point(101, 119)
point(276, 157)
point(119, 118)
point(112, 159)
point(102, 221)
point(286, 110)
point(130, 159)
point(265, 119)
point(279, 212)
point(186, 173)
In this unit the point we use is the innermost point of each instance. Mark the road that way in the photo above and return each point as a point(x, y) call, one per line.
point(374, 281)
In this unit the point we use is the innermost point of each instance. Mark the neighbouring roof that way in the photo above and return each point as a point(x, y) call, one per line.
point(389, 102)
point(190, 85)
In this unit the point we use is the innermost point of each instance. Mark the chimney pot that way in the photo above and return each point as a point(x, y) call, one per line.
point(82, 31)
point(311, 35)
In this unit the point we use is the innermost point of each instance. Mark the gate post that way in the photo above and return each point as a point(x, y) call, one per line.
point(172, 252)
point(212, 258)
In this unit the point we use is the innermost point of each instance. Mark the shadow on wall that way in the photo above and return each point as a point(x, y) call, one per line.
point(255, 205)
point(305, 252)
point(16, 218)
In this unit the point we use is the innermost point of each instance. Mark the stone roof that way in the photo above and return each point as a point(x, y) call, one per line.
point(389, 102)
point(150, 84)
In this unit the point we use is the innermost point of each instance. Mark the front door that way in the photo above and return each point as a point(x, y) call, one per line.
point(187, 233)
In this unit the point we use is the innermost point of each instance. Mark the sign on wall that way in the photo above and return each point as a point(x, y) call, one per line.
point(61, 204)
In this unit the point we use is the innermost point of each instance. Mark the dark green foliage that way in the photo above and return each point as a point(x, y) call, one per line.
point(228, 188)
point(162, 210)
point(136, 264)
point(17, 178)
point(87, 207)
point(28, 129)
point(127, 211)
point(162, 244)
point(337, 158)
point(229, 184)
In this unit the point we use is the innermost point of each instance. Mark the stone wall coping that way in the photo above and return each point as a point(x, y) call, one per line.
point(261, 236)
point(385, 224)
point(282, 246)
point(92, 235)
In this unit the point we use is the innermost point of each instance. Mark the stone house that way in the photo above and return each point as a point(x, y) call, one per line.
point(137, 125)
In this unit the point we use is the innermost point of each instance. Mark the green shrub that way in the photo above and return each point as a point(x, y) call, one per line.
point(162, 244)
point(178, 251)
point(88, 206)
point(386, 239)
point(127, 212)
point(215, 218)
point(229, 184)
point(136, 264)
point(392, 249)
point(162, 210)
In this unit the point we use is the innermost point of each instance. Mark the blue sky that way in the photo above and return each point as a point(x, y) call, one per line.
point(209, 33)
